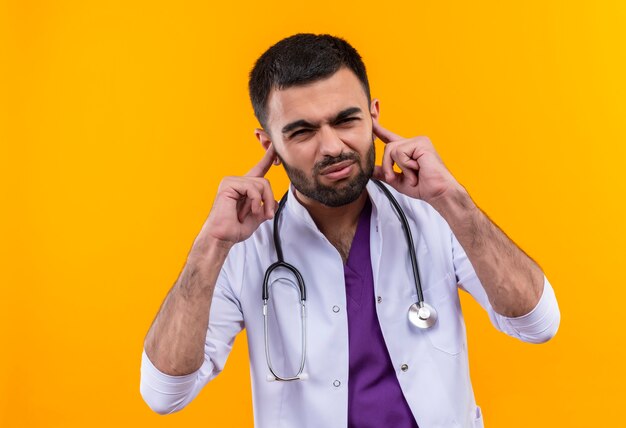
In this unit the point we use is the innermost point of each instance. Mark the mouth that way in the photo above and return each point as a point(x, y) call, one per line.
point(338, 171)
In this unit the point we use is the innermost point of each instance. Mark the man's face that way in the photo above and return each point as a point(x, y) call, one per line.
point(322, 134)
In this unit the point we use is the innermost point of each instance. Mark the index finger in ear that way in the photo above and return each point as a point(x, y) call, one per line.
point(384, 134)
point(264, 165)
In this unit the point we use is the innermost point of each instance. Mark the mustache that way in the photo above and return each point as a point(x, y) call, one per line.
point(329, 161)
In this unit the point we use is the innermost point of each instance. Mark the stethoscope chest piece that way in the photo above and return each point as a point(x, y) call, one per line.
point(422, 315)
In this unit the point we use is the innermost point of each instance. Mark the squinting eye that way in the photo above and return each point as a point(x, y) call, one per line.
point(302, 131)
point(350, 119)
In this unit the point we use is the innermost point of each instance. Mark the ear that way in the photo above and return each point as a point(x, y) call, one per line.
point(375, 109)
point(266, 141)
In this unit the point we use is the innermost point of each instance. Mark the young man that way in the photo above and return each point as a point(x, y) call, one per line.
point(366, 364)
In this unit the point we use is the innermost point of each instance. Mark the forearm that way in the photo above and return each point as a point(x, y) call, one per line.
point(512, 280)
point(175, 341)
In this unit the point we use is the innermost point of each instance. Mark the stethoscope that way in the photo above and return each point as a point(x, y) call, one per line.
point(421, 314)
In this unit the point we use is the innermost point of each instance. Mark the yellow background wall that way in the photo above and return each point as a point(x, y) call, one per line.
point(119, 118)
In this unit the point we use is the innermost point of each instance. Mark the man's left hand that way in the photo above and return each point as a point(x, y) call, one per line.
point(423, 174)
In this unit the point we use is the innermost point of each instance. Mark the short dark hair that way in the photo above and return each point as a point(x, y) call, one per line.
point(300, 59)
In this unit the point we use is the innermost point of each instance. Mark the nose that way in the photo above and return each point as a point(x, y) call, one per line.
point(329, 142)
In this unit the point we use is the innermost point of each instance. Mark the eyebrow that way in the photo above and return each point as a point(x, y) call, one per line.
point(305, 124)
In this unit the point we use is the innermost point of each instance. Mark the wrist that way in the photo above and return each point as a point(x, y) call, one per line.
point(454, 204)
point(208, 249)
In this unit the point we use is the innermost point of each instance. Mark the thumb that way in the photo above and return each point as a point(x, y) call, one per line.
point(378, 173)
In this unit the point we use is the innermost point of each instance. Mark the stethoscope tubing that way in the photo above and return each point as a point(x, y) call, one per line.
point(415, 312)
point(302, 291)
point(409, 238)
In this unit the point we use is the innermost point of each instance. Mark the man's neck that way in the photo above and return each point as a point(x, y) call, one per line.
point(331, 221)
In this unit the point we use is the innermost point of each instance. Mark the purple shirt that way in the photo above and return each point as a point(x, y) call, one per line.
point(374, 395)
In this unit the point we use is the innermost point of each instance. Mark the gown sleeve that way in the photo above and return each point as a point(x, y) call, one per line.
point(165, 393)
point(537, 326)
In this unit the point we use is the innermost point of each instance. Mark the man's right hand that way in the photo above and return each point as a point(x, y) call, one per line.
point(240, 206)
point(176, 339)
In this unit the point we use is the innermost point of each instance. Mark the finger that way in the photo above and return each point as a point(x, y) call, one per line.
point(385, 135)
point(266, 202)
point(408, 165)
point(244, 211)
point(410, 176)
point(255, 204)
point(387, 164)
point(379, 174)
point(250, 194)
point(269, 203)
point(264, 165)
point(408, 156)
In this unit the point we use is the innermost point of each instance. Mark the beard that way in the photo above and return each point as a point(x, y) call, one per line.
point(339, 195)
